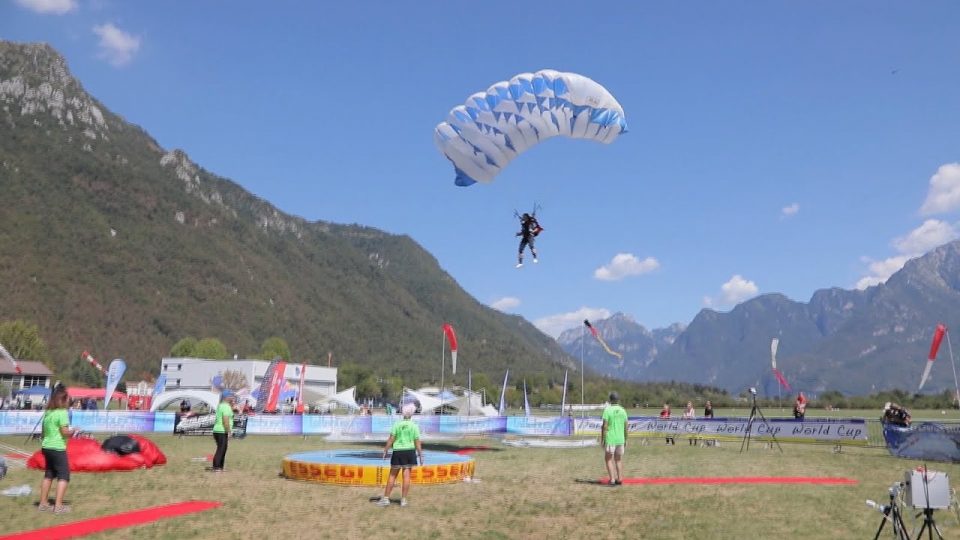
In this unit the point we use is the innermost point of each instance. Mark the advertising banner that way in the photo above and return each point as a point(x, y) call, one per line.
point(540, 425)
point(275, 424)
point(325, 424)
point(19, 422)
point(473, 425)
point(785, 429)
point(382, 424)
point(112, 421)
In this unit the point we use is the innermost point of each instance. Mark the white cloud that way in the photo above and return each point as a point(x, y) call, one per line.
point(116, 46)
point(553, 325)
point(880, 271)
point(788, 211)
point(505, 304)
point(931, 234)
point(49, 7)
point(734, 291)
point(944, 194)
point(623, 265)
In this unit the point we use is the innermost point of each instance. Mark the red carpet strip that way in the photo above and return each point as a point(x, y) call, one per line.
point(714, 480)
point(77, 529)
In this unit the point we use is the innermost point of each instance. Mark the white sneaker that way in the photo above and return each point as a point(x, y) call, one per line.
point(403, 501)
point(535, 261)
point(383, 502)
point(519, 265)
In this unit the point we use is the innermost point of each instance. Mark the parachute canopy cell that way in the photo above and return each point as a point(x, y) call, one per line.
point(492, 128)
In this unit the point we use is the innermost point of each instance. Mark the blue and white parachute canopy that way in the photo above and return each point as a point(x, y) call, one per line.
point(484, 134)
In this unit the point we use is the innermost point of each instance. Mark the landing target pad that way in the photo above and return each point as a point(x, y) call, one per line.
point(368, 468)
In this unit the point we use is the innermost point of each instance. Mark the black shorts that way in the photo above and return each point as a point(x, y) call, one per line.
point(57, 466)
point(404, 458)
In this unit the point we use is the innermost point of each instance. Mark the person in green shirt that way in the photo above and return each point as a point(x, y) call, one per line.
point(222, 426)
point(405, 441)
point(56, 428)
point(613, 438)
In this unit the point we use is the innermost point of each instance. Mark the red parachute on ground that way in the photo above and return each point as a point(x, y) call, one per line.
point(85, 455)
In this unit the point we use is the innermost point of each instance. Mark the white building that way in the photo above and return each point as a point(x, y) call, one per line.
point(245, 376)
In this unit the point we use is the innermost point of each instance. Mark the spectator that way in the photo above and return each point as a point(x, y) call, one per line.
point(895, 414)
point(800, 407)
point(689, 414)
point(665, 413)
point(708, 410)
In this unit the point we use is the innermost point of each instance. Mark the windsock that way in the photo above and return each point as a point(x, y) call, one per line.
point(934, 347)
point(452, 338)
point(603, 343)
point(93, 362)
point(9, 358)
point(774, 344)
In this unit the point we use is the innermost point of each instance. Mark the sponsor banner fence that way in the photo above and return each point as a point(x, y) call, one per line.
point(383, 424)
point(473, 425)
point(275, 424)
point(850, 431)
point(326, 424)
point(540, 425)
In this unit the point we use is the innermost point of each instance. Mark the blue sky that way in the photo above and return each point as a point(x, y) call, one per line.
point(773, 146)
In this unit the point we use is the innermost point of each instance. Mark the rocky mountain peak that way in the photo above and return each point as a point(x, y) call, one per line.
point(38, 89)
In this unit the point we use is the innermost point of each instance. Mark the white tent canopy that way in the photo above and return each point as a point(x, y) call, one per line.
point(347, 398)
point(161, 400)
point(428, 404)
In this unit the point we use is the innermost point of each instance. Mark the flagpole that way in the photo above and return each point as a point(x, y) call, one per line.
point(443, 345)
point(581, 371)
point(956, 386)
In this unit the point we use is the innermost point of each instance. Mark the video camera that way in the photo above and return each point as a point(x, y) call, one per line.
point(753, 390)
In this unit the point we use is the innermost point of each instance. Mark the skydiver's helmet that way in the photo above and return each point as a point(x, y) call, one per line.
point(526, 216)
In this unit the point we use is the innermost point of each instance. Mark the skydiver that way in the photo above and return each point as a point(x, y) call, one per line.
point(529, 229)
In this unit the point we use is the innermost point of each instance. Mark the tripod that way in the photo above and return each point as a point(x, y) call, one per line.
point(929, 524)
point(891, 513)
point(754, 412)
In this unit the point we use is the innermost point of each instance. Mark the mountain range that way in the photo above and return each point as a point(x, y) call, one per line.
point(853, 341)
point(113, 244)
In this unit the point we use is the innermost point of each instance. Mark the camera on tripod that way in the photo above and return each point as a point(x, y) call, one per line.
point(753, 390)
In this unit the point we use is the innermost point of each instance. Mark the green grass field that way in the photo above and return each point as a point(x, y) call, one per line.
point(522, 493)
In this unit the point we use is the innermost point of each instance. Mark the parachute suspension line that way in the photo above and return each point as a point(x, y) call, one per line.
point(956, 386)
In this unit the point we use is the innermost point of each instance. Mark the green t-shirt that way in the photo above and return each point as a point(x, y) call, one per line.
point(616, 418)
point(53, 420)
point(224, 410)
point(404, 433)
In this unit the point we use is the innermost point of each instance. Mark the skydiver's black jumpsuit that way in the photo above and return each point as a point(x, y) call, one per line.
point(529, 227)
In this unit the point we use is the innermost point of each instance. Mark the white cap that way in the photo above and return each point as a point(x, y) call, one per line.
point(408, 410)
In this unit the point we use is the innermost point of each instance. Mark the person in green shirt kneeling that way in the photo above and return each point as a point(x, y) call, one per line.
point(405, 441)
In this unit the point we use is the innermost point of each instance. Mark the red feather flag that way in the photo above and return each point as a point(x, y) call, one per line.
point(934, 348)
point(452, 338)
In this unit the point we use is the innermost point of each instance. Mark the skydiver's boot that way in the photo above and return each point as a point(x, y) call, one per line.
point(535, 261)
point(520, 261)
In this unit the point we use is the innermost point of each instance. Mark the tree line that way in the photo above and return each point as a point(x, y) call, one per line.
point(23, 340)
